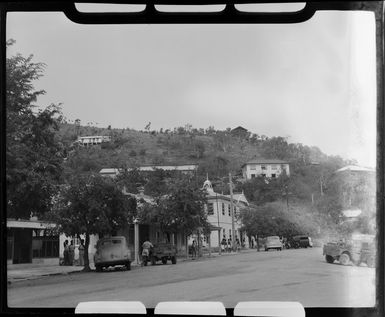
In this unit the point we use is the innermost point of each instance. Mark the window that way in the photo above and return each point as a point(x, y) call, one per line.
point(45, 247)
point(253, 167)
point(223, 208)
point(274, 167)
point(263, 167)
point(273, 175)
point(210, 209)
point(229, 209)
point(252, 175)
point(263, 175)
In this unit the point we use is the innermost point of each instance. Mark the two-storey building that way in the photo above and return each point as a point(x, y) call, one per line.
point(270, 168)
point(218, 210)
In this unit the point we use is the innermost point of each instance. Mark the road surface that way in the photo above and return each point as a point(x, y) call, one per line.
point(289, 275)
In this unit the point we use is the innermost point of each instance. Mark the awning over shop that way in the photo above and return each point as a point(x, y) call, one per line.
point(28, 224)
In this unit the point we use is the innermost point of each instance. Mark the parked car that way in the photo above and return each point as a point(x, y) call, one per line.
point(358, 249)
point(301, 241)
point(273, 242)
point(112, 251)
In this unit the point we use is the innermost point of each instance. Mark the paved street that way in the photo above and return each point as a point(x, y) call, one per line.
point(290, 275)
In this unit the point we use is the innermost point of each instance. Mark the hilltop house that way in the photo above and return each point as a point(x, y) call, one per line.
point(270, 168)
point(239, 132)
point(93, 140)
point(357, 189)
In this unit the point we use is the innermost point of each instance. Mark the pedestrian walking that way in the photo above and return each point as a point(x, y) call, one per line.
point(71, 253)
point(146, 251)
point(252, 242)
point(194, 250)
point(81, 252)
point(66, 253)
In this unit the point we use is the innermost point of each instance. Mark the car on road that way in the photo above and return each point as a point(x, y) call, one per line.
point(112, 251)
point(273, 242)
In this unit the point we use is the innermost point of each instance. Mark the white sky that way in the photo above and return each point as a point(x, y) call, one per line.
point(314, 82)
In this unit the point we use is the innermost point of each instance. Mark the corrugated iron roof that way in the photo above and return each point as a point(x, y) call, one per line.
point(265, 161)
point(355, 168)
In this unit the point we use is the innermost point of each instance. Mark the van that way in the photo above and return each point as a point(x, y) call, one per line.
point(112, 251)
point(302, 241)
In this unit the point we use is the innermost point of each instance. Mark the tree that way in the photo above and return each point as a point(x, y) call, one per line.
point(181, 210)
point(271, 219)
point(130, 179)
point(156, 182)
point(91, 205)
point(34, 154)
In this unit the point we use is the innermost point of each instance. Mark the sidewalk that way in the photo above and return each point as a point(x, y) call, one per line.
point(28, 271)
point(20, 272)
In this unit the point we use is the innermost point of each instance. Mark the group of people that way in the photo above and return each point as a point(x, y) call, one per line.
point(69, 252)
point(227, 244)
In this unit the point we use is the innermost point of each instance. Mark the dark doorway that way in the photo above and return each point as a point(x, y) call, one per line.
point(22, 246)
point(144, 233)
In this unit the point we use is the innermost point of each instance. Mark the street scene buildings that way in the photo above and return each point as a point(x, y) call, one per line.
point(198, 162)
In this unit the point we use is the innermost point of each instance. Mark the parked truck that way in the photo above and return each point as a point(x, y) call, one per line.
point(357, 249)
point(163, 252)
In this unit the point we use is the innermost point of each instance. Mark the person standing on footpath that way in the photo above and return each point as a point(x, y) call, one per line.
point(81, 252)
point(194, 250)
point(237, 244)
point(71, 253)
point(224, 244)
point(65, 253)
point(229, 246)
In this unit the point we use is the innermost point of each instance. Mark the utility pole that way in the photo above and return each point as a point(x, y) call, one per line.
point(232, 213)
point(219, 230)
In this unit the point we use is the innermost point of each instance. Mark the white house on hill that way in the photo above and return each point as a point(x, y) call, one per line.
point(270, 168)
point(93, 140)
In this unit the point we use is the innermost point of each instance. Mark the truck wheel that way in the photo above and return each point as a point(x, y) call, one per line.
point(128, 266)
point(173, 260)
point(153, 261)
point(344, 259)
point(98, 268)
point(370, 262)
point(164, 260)
point(329, 259)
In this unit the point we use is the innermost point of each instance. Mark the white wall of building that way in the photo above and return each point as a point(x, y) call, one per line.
point(91, 248)
point(269, 170)
point(221, 210)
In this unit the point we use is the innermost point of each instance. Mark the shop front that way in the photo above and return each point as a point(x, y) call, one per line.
point(31, 241)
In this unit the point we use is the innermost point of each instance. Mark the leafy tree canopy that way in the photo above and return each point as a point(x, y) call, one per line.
point(34, 153)
point(92, 205)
